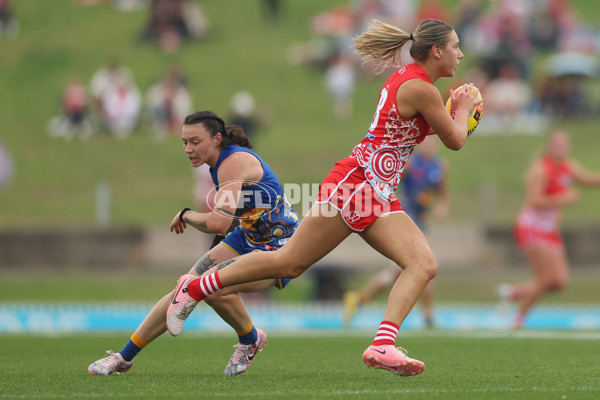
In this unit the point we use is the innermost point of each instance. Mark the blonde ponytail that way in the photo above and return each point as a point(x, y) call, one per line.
point(383, 41)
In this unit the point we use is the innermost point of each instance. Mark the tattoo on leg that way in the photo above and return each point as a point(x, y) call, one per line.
point(204, 264)
point(224, 264)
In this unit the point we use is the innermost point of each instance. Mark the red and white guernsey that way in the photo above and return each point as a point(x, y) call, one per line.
point(558, 179)
point(383, 153)
point(540, 226)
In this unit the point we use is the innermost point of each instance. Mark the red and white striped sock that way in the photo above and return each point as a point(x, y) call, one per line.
point(386, 335)
point(200, 289)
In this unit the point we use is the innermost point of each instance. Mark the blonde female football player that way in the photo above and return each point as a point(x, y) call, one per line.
point(358, 194)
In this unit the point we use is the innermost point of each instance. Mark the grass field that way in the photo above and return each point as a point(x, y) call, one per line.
point(469, 286)
point(490, 365)
point(54, 187)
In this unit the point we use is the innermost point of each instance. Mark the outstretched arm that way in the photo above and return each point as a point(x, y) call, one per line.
point(536, 195)
point(235, 171)
point(210, 222)
point(583, 176)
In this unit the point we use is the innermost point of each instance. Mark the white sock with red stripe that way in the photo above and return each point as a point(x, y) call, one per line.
point(386, 335)
point(200, 289)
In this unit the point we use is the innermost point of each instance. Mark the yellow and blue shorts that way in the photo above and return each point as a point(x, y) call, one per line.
point(239, 243)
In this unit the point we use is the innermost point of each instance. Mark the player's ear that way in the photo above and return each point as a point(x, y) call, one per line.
point(218, 139)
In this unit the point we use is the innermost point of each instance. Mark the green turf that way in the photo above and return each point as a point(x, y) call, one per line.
point(306, 367)
point(473, 286)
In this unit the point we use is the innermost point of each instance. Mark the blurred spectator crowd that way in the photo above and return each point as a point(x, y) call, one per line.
point(9, 26)
point(113, 103)
point(533, 60)
point(169, 22)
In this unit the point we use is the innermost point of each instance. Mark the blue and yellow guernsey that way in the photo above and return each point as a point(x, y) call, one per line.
point(420, 184)
point(266, 218)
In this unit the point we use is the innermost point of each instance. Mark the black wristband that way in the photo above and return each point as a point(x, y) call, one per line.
point(181, 214)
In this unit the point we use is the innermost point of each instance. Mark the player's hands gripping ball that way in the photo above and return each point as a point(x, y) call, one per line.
point(475, 115)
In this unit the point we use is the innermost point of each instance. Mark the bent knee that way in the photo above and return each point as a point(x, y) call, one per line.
point(288, 266)
point(293, 271)
point(430, 268)
point(426, 265)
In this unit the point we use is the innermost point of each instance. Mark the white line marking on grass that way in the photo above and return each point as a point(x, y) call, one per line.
point(481, 390)
point(300, 393)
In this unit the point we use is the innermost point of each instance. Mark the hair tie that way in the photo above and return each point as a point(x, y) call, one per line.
point(411, 37)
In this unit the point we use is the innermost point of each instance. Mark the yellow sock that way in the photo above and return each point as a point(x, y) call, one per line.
point(248, 335)
point(138, 341)
point(245, 331)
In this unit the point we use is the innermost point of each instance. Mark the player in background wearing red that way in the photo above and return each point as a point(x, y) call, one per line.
point(358, 195)
point(548, 190)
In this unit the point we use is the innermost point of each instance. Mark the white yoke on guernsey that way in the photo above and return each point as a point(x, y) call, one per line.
point(539, 227)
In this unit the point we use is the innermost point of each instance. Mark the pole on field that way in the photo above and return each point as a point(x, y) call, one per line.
point(103, 201)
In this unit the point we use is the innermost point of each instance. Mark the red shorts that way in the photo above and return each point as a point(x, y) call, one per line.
point(528, 237)
point(347, 189)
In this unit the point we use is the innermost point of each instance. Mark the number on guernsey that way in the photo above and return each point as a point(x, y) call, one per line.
point(382, 99)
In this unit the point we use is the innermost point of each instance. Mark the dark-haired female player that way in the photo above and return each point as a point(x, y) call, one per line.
point(248, 192)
